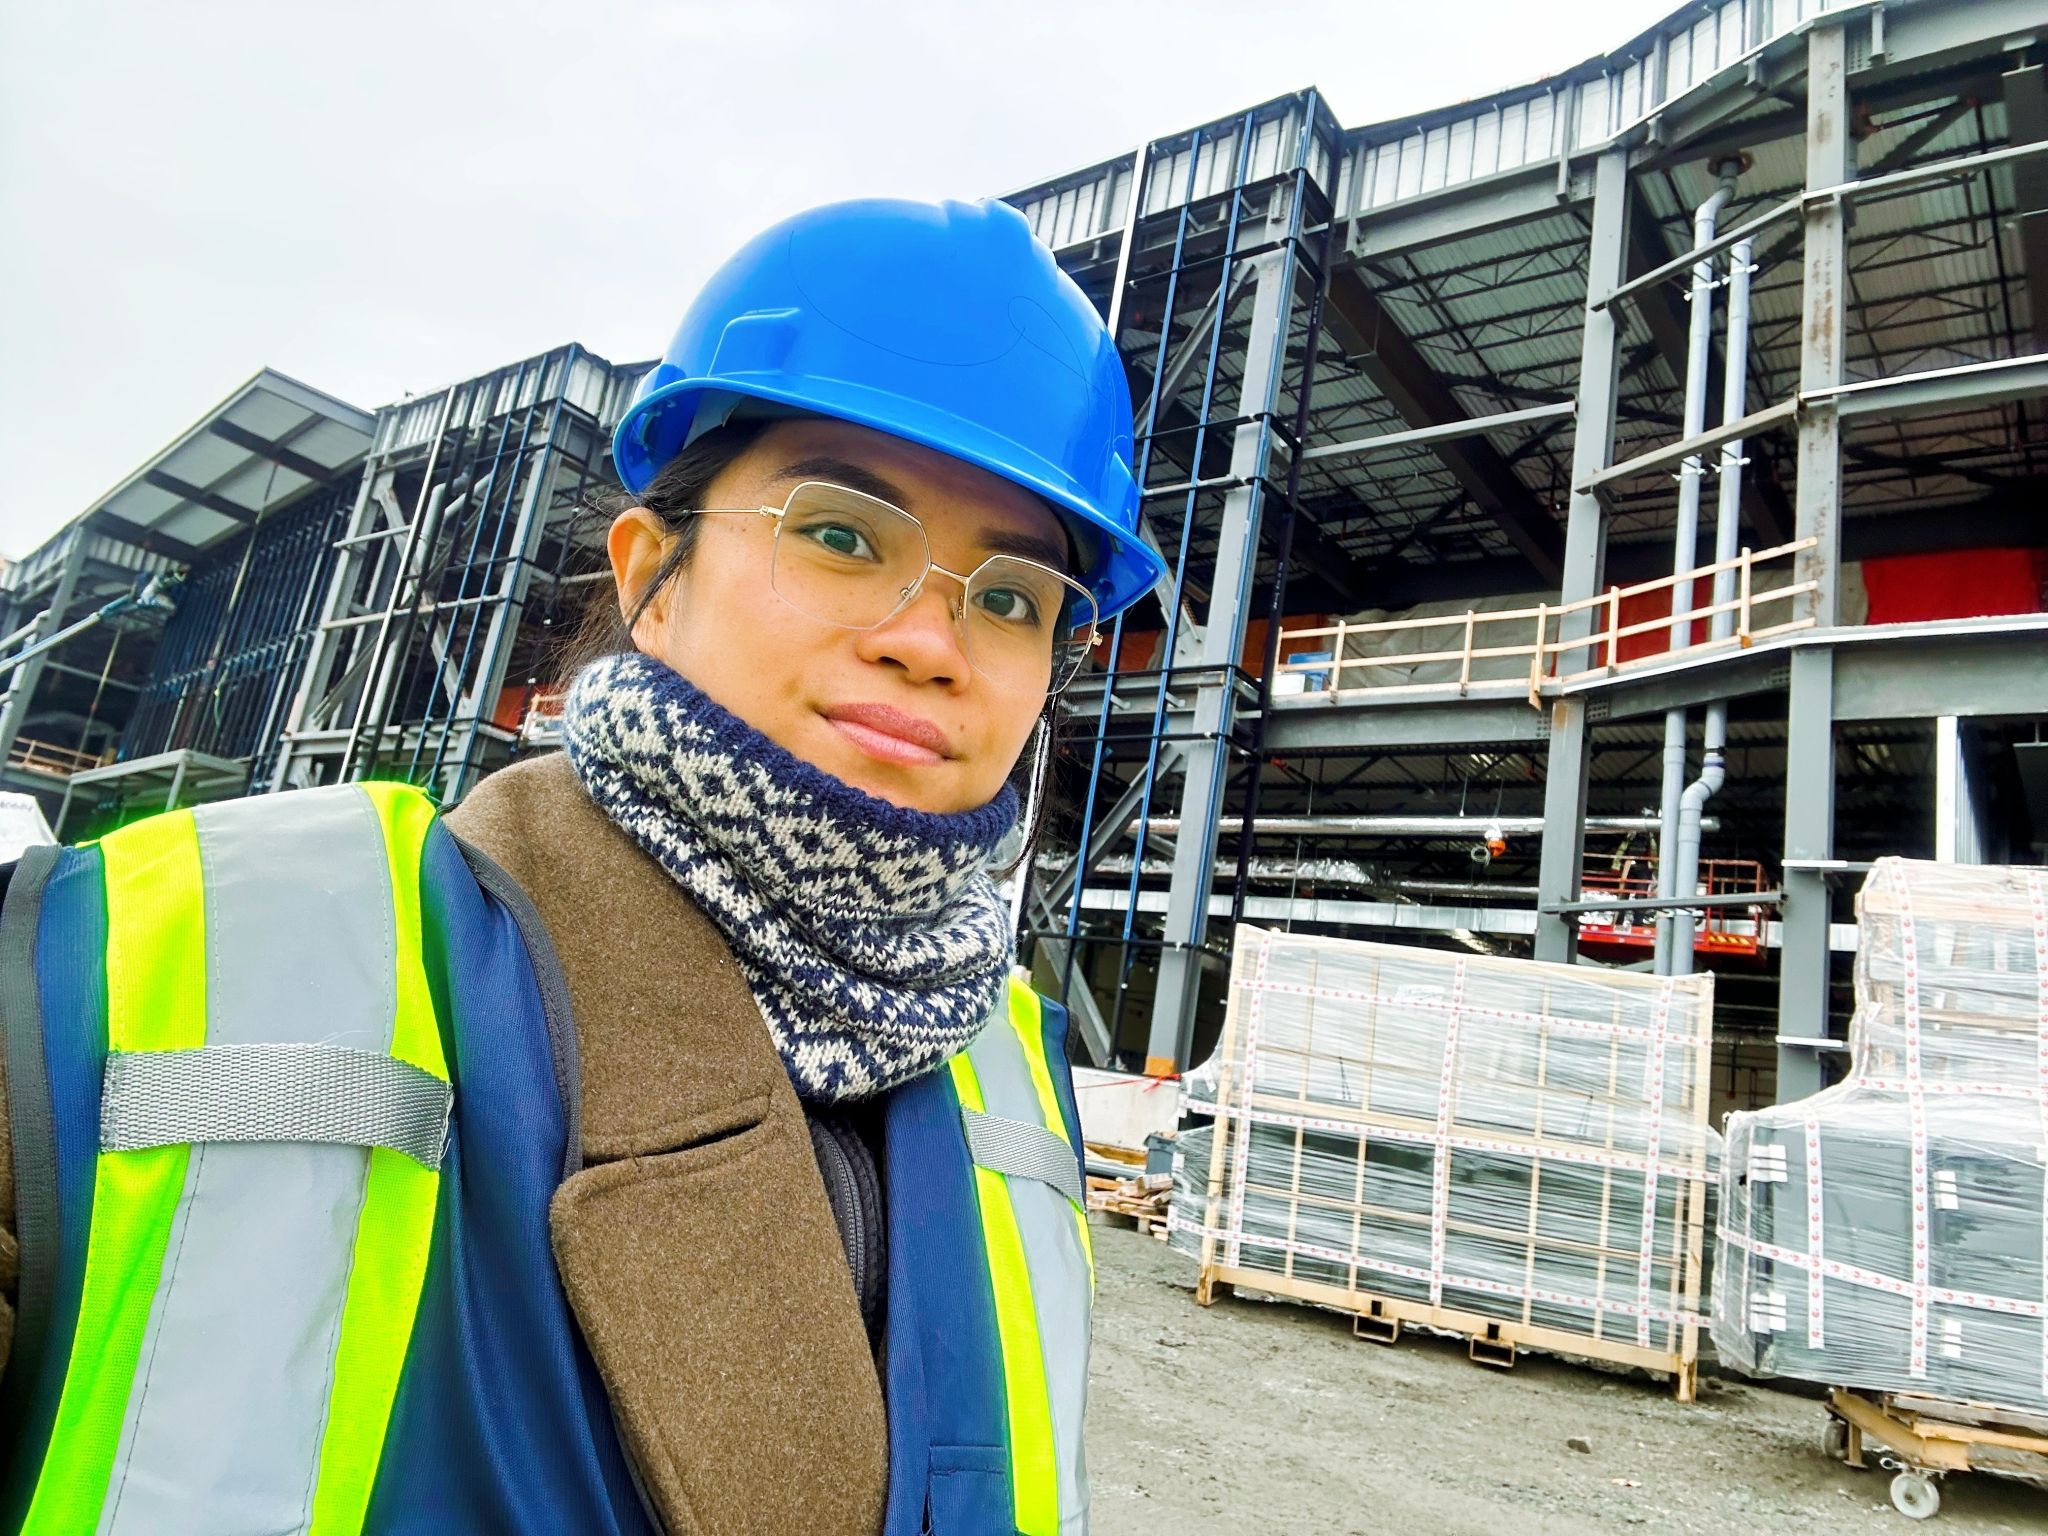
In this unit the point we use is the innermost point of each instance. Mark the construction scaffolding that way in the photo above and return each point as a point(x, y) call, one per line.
point(460, 552)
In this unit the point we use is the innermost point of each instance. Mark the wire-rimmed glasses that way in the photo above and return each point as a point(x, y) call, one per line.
point(855, 561)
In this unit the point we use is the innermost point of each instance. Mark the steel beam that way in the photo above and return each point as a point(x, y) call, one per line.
point(1995, 672)
point(1963, 387)
point(1443, 432)
point(1458, 213)
point(1569, 760)
point(1380, 350)
point(277, 453)
point(1769, 418)
point(1914, 34)
point(1308, 724)
point(1110, 828)
point(199, 496)
point(1803, 994)
point(146, 539)
point(1221, 643)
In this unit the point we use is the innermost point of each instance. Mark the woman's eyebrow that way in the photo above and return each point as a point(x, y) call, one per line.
point(998, 541)
point(841, 472)
point(1028, 546)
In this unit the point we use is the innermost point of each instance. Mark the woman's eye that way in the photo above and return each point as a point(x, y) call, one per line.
point(840, 540)
point(1009, 605)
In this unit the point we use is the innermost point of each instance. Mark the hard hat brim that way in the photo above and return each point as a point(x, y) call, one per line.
point(659, 425)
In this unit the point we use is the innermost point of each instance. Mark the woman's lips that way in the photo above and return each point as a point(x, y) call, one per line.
point(889, 734)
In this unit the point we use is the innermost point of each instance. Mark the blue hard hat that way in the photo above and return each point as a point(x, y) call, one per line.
point(945, 324)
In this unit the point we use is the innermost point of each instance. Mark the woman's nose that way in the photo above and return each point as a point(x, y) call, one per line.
point(923, 637)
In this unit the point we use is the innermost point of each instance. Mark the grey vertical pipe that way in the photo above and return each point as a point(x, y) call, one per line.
point(1685, 542)
point(1727, 545)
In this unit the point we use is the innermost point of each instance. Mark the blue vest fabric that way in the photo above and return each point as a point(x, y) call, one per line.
point(501, 1424)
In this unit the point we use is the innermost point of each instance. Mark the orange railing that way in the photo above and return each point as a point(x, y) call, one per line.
point(1599, 642)
point(1716, 930)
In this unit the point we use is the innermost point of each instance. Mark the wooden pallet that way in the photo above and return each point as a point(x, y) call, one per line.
point(1145, 1208)
point(1930, 1439)
point(1346, 1036)
point(1489, 1341)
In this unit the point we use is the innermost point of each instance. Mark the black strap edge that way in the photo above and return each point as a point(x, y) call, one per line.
point(31, 1124)
point(554, 992)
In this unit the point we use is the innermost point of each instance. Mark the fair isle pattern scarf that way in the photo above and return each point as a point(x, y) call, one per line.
point(873, 937)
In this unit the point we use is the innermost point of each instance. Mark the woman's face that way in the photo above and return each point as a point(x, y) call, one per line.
point(895, 710)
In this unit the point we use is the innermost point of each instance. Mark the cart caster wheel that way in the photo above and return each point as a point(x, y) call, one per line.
point(1915, 1496)
point(1834, 1440)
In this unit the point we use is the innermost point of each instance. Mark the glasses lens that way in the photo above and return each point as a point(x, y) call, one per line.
point(1027, 626)
point(845, 558)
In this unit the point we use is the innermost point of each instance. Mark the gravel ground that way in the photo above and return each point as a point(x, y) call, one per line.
point(1271, 1418)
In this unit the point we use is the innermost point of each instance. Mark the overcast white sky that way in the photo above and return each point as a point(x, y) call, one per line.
point(385, 195)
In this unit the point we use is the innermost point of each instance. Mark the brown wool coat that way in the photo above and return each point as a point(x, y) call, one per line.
point(696, 1245)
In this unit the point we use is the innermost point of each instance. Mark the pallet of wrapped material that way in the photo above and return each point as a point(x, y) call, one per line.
point(1888, 1233)
point(1500, 1148)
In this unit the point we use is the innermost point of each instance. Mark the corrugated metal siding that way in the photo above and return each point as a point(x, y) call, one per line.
point(39, 566)
point(1081, 209)
point(586, 382)
point(1413, 159)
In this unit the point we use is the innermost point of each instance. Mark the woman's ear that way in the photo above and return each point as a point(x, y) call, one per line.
point(637, 544)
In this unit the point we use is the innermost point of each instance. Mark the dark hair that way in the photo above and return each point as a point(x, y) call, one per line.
point(679, 489)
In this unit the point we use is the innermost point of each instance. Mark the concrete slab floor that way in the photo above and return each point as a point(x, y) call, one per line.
point(1271, 1418)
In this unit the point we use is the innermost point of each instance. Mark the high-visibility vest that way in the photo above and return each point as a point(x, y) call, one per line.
point(291, 1080)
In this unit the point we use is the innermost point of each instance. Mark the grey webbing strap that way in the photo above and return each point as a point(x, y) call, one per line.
point(1023, 1149)
point(297, 1093)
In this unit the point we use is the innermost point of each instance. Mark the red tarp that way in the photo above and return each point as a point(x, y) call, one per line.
point(1962, 584)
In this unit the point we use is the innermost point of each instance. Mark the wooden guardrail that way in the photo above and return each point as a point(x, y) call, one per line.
point(1757, 617)
point(57, 762)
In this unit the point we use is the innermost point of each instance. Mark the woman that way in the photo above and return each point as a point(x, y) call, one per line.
point(670, 1147)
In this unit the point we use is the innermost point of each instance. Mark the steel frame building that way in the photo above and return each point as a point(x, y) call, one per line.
point(1437, 432)
point(1414, 367)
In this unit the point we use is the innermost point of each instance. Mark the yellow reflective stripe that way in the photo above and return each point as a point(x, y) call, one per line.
point(1027, 1018)
point(1034, 1469)
point(156, 1001)
point(395, 1228)
point(406, 815)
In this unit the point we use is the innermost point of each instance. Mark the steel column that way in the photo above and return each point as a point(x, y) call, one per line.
point(21, 687)
point(1222, 642)
point(1810, 727)
point(1564, 786)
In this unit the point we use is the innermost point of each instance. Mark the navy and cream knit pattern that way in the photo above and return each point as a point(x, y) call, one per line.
point(873, 936)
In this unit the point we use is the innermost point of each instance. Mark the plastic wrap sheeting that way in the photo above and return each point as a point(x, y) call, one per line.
point(1496, 1137)
point(1887, 1233)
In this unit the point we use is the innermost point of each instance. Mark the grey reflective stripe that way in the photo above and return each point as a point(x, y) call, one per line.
point(1061, 1290)
point(273, 1093)
point(223, 1426)
point(1024, 1149)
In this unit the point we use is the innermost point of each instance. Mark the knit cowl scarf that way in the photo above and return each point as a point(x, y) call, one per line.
point(873, 937)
